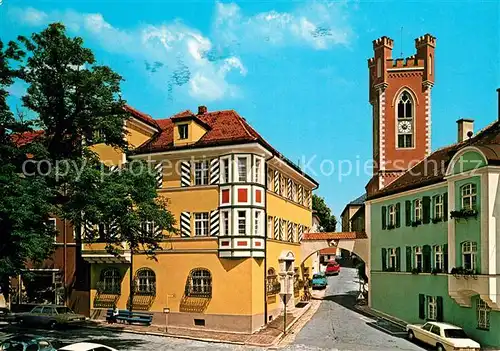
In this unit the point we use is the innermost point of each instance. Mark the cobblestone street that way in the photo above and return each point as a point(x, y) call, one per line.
point(334, 326)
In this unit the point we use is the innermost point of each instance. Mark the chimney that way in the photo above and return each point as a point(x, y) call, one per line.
point(465, 129)
point(202, 110)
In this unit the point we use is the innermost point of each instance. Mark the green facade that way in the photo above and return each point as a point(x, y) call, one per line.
point(399, 291)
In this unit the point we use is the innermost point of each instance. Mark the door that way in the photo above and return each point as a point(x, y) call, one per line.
point(436, 335)
point(47, 315)
point(425, 333)
point(33, 315)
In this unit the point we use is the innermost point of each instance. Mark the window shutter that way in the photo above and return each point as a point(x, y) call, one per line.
point(426, 252)
point(439, 302)
point(398, 215)
point(445, 258)
point(215, 171)
point(384, 259)
point(398, 259)
point(421, 306)
point(445, 206)
point(408, 213)
point(185, 173)
point(384, 217)
point(408, 259)
point(426, 208)
point(214, 222)
point(185, 224)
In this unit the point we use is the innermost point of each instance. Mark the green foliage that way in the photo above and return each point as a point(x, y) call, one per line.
point(327, 221)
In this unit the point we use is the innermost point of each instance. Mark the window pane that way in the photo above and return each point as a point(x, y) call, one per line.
point(242, 169)
point(241, 222)
point(401, 110)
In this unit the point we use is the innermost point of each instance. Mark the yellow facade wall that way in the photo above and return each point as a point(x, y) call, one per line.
point(286, 209)
point(195, 132)
point(136, 135)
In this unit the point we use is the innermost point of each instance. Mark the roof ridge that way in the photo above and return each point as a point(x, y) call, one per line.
point(243, 122)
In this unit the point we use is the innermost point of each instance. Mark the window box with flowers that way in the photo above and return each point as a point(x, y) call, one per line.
point(464, 213)
point(461, 272)
point(437, 220)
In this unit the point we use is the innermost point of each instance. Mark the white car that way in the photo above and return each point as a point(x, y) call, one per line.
point(443, 336)
point(86, 346)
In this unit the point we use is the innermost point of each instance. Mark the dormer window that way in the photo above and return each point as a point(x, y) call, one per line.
point(183, 131)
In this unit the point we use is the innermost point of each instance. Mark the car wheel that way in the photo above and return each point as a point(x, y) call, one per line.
point(52, 324)
point(440, 347)
point(411, 336)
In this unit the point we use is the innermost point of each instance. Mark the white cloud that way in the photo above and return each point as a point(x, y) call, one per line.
point(29, 16)
point(319, 25)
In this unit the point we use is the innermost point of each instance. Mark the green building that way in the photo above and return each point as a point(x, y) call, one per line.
point(435, 238)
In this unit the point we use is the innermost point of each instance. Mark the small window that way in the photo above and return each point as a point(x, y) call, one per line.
point(417, 210)
point(225, 222)
point(183, 131)
point(148, 228)
point(427, 327)
point(438, 207)
point(270, 175)
point(282, 185)
point(436, 330)
point(225, 170)
point(272, 284)
point(483, 314)
point(110, 281)
point(257, 170)
point(405, 121)
point(469, 253)
point(294, 191)
point(392, 215)
point(432, 308)
point(199, 322)
point(201, 173)
point(52, 222)
point(201, 224)
point(37, 309)
point(469, 196)
point(438, 257)
point(270, 227)
point(242, 222)
point(418, 257)
point(146, 282)
point(242, 169)
point(48, 311)
point(200, 283)
point(257, 221)
point(392, 258)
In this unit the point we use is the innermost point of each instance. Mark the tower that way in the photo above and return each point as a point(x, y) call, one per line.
point(400, 95)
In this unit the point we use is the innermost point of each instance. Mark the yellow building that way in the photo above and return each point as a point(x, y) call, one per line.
point(241, 210)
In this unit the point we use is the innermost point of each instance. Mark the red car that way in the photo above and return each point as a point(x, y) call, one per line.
point(332, 268)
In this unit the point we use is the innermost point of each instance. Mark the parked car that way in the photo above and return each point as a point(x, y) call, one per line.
point(319, 281)
point(6, 315)
point(86, 346)
point(332, 268)
point(50, 316)
point(443, 336)
point(26, 343)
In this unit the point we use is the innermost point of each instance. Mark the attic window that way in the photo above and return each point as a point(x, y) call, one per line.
point(183, 131)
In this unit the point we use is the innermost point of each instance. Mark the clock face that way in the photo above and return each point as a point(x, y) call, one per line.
point(404, 127)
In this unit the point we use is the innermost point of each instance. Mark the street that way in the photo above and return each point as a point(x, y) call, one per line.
point(333, 327)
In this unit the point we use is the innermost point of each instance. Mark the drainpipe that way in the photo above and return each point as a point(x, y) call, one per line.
point(265, 242)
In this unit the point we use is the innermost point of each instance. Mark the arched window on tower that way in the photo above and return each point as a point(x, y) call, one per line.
point(405, 125)
point(379, 68)
point(430, 64)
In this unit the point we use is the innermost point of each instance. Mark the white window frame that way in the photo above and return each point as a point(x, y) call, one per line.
point(201, 170)
point(53, 223)
point(439, 206)
point(257, 222)
point(469, 248)
point(148, 227)
point(239, 222)
point(392, 258)
point(432, 308)
point(270, 227)
point(417, 252)
point(438, 257)
point(225, 165)
point(185, 127)
point(469, 196)
point(238, 158)
point(483, 314)
point(417, 210)
point(258, 170)
point(405, 118)
point(391, 211)
point(201, 218)
point(270, 179)
point(225, 222)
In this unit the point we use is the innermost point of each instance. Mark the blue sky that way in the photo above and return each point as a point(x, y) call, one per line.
point(297, 71)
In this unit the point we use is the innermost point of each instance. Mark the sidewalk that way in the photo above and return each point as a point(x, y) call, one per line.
point(267, 336)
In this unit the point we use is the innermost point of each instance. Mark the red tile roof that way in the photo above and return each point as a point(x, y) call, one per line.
point(141, 116)
point(335, 236)
point(26, 137)
point(432, 169)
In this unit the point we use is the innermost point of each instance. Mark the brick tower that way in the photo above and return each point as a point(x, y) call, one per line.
point(400, 95)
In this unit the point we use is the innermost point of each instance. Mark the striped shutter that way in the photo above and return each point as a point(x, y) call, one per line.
point(295, 238)
point(290, 231)
point(158, 171)
point(113, 169)
point(289, 188)
point(113, 227)
point(185, 173)
point(88, 229)
point(276, 182)
point(301, 231)
point(282, 229)
point(309, 199)
point(185, 224)
point(214, 222)
point(157, 230)
point(214, 171)
point(276, 228)
point(300, 198)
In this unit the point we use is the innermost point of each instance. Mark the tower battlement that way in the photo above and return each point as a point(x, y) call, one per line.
point(425, 39)
point(406, 62)
point(383, 41)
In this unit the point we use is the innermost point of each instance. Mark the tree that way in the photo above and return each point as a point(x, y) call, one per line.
point(327, 221)
point(78, 104)
point(25, 204)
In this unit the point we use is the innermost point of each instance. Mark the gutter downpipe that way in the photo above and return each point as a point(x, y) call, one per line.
point(265, 242)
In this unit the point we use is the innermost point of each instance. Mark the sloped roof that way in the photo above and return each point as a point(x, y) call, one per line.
point(26, 137)
point(334, 236)
point(224, 127)
point(143, 117)
point(432, 169)
point(358, 201)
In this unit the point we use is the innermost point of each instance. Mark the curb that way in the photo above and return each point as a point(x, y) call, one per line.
point(129, 331)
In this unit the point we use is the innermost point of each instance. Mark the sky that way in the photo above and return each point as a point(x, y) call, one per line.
point(295, 70)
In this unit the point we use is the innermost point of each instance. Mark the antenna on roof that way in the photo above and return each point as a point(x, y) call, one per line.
point(401, 42)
